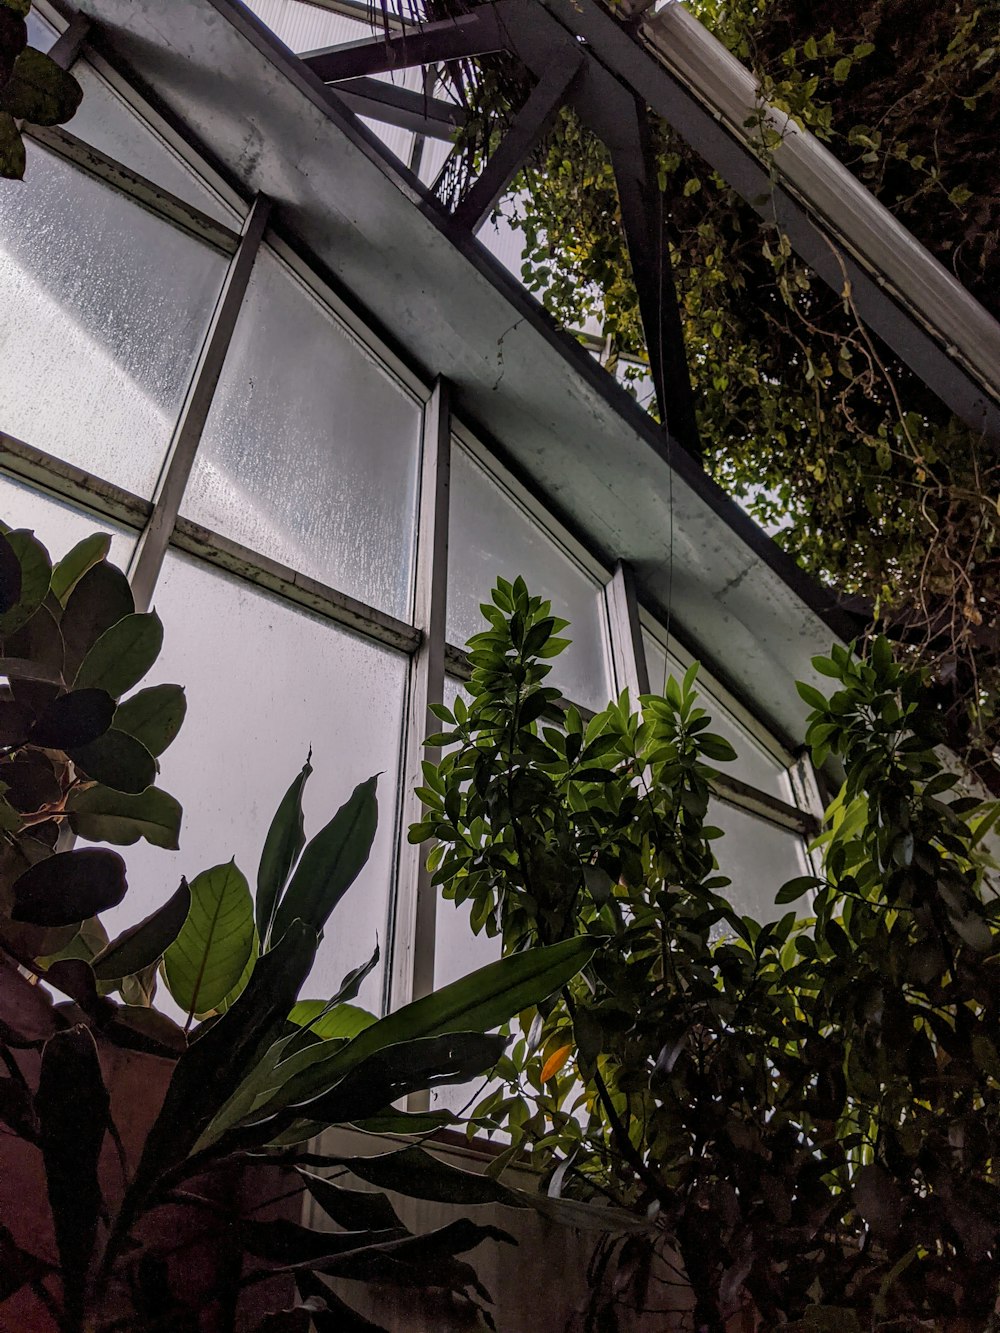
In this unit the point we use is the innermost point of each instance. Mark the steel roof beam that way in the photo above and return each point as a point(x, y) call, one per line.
point(404, 107)
point(476, 34)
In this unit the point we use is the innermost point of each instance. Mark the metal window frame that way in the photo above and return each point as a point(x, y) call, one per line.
point(410, 965)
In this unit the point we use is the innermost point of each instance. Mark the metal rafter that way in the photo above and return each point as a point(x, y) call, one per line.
point(432, 117)
point(479, 33)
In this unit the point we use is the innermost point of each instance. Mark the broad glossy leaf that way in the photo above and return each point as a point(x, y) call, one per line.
point(122, 655)
point(146, 942)
point(478, 1002)
point(117, 761)
point(74, 719)
point(153, 716)
point(69, 887)
point(40, 642)
point(40, 91)
point(329, 1023)
point(244, 978)
point(208, 956)
point(284, 842)
point(331, 862)
point(71, 568)
point(36, 572)
point(73, 1107)
point(102, 814)
point(99, 600)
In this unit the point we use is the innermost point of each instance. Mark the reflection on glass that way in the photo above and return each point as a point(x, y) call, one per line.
point(105, 309)
point(107, 122)
point(491, 535)
point(265, 683)
point(310, 452)
point(758, 857)
point(57, 524)
point(753, 764)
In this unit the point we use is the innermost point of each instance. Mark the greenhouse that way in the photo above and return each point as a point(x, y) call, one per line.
point(256, 334)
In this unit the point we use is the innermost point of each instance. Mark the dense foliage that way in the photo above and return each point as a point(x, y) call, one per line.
point(809, 1108)
point(830, 441)
point(254, 1073)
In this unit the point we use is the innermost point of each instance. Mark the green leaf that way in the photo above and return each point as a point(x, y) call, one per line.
point(354, 1210)
point(212, 1068)
point(75, 563)
point(69, 887)
point(78, 718)
point(284, 842)
point(811, 695)
point(13, 158)
point(145, 943)
point(123, 654)
point(73, 1109)
point(244, 977)
point(418, 1175)
point(842, 68)
point(205, 961)
point(481, 1001)
point(153, 716)
point(10, 575)
point(330, 863)
point(36, 573)
point(795, 888)
point(40, 91)
point(99, 600)
point(341, 1021)
point(116, 760)
point(102, 814)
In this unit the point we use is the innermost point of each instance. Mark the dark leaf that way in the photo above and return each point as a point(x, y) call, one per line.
point(153, 716)
point(877, 1199)
point(17, 1111)
point(10, 566)
point(331, 862)
point(284, 842)
point(354, 1210)
point(40, 91)
point(100, 599)
point(118, 761)
point(36, 571)
point(142, 1029)
point(418, 1175)
point(101, 814)
point(69, 887)
point(337, 1317)
point(351, 984)
point(145, 943)
point(18, 1268)
point(75, 978)
point(72, 1106)
point(214, 1065)
point(123, 654)
point(13, 36)
point(38, 641)
point(74, 719)
point(284, 1242)
point(13, 158)
point(75, 563)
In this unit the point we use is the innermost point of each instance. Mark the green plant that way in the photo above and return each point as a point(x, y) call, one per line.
point(809, 1108)
point(254, 1074)
point(75, 757)
point(33, 87)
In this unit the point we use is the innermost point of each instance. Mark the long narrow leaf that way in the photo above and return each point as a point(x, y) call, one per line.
point(285, 839)
point(331, 862)
point(354, 1210)
point(72, 1106)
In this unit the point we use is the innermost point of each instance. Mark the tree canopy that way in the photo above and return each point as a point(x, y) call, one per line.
point(808, 418)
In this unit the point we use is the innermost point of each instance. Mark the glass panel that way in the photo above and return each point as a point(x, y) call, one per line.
point(41, 33)
point(106, 309)
point(265, 682)
point(58, 525)
point(310, 452)
point(758, 857)
point(753, 763)
point(491, 535)
point(106, 121)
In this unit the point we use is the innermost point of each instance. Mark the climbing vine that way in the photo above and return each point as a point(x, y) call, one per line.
point(837, 449)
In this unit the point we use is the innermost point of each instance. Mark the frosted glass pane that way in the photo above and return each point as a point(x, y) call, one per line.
point(41, 33)
point(58, 525)
point(107, 122)
point(753, 764)
point(265, 682)
point(310, 452)
point(491, 535)
point(105, 309)
point(758, 857)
